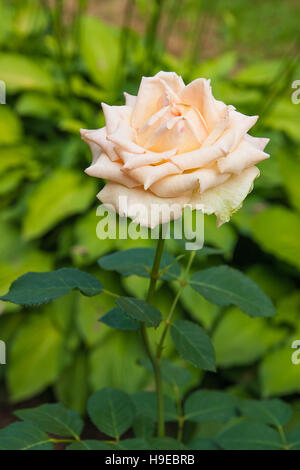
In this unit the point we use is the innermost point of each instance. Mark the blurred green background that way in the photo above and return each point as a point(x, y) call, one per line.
point(59, 60)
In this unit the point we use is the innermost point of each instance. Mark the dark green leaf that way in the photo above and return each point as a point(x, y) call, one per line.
point(293, 439)
point(39, 288)
point(275, 412)
point(165, 443)
point(89, 445)
point(209, 405)
point(117, 318)
point(143, 426)
point(250, 436)
point(140, 310)
point(111, 411)
point(223, 285)
point(132, 444)
point(24, 436)
point(146, 403)
point(54, 418)
point(201, 443)
point(193, 344)
point(138, 262)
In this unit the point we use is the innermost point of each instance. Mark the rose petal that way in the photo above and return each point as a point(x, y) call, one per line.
point(106, 169)
point(147, 102)
point(98, 137)
point(151, 95)
point(130, 100)
point(201, 180)
point(147, 175)
point(239, 125)
point(259, 142)
point(114, 115)
point(124, 138)
point(174, 133)
point(136, 160)
point(227, 198)
point(218, 130)
point(95, 148)
point(198, 158)
point(199, 94)
point(142, 206)
point(173, 80)
point(153, 123)
point(242, 157)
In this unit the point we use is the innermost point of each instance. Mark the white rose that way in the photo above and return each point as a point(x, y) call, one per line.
point(175, 144)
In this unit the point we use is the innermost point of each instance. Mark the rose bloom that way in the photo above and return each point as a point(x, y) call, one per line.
point(173, 145)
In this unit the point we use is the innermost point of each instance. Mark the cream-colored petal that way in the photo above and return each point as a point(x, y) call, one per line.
point(198, 158)
point(209, 178)
point(173, 80)
point(155, 93)
point(124, 138)
point(218, 130)
point(154, 122)
point(148, 175)
point(174, 133)
point(130, 100)
point(95, 148)
point(106, 169)
point(142, 206)
point(98, 137)
point(148, 101)
point(114, 115)
point(259, 142)
point(242, 157)
point(199, 180)
point(135, 160)
point(199, 94)
point(227, 198)
point(239, 125)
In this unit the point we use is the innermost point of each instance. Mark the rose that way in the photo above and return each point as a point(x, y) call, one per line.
point(173, 145)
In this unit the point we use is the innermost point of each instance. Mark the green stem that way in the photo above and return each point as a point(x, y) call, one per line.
point(183, 283)
point(283, 437)
point(62, 441)
point(181, 418)
point(112, 294)
point(146, 341)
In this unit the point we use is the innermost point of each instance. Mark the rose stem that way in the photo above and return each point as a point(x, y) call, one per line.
point(183, 283)
point(155, 362)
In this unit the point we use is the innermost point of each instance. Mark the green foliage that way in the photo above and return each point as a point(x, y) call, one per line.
point(274, 412)
point(101, 61)
point(39, 288)
point(250, 436)
point(277, 230)
point(208, 405)
point(240, 340)
point(193, 344)
point(225, 286)
point(61, 194)
point(117, 318)
point(138, 262)
point(140, 310)
point(24, 73)
point(24, 436)
point(35, 364)
point(111, 411)
point(54, 419)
